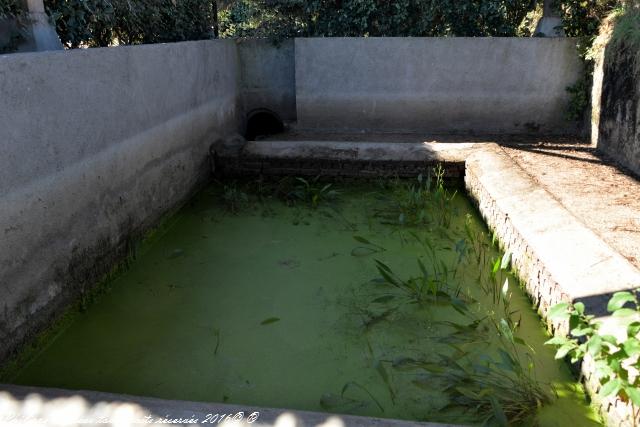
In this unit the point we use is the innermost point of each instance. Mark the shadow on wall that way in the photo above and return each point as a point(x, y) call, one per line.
point(261, 123)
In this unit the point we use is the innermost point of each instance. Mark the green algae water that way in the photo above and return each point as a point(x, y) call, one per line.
point(334, 305)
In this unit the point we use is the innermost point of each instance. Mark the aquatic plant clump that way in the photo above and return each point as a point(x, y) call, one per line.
point(496, 384)
point(421, 202)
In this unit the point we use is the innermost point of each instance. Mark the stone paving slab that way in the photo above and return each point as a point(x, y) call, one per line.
point(39, 406)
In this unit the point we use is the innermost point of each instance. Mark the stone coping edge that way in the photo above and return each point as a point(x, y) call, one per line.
point(123, 410)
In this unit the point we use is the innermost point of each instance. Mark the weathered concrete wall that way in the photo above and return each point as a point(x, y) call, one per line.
point(96, 146)
point(439, 85)
point(619, 128)
point(268, 77)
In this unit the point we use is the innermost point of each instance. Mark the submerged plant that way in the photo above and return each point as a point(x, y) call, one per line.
point(494, 390)
point(290, 190)
point(312, 192)
point(430, 286)
point(331, 402)
point(498, 386)
point(410, 202)
point(494, 283)
point(484, 369)
point(234, 199)
point(476, 241)
point(368, 247)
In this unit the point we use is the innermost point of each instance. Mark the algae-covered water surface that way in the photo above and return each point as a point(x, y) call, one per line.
point(385, 299)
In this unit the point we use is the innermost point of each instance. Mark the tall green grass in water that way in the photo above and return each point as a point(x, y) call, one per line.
point(497, 385)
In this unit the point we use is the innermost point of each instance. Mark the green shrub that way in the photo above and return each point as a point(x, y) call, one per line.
point(10, 8)
point(582, 18)
point(615, 358)
point(579, 98)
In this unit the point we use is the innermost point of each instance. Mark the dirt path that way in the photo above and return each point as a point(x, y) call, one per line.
point(600, 195)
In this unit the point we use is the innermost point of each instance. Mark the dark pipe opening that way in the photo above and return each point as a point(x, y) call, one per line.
point(263, 123)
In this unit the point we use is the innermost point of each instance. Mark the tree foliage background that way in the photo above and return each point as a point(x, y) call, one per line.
point(583, 17)
point(105, 22)
point(351, 18)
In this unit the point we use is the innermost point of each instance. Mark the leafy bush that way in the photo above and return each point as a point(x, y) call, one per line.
point(582, 18)
point(107, 22)
point(236, 20)
point(616, 358)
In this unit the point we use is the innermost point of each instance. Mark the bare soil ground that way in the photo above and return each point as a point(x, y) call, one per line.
point(604, 197)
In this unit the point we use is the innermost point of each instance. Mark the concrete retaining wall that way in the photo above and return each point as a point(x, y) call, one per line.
point(619, 129)
point(96, 146)
point(439, 85)
point(268, 77)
